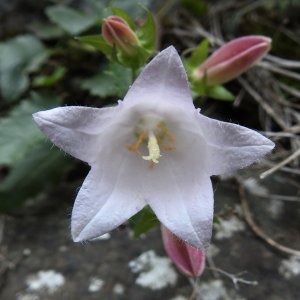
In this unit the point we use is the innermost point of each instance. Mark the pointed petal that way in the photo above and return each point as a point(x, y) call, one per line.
point(107, 198)
point(230, 146)
point(162, 80)
point(75, 129)
point(181, 195)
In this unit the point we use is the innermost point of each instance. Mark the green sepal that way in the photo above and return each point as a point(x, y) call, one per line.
point(199, 54)
point(219, 92)
point(147, 33)
point(133, 61)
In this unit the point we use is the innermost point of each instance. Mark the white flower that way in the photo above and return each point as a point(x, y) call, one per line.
point(154, 149)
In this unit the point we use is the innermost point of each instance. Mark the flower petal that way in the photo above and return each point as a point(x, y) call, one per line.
point(107, 198)
point(230, 146)
point(162, 80)
point(75, 129)
point(180, 193)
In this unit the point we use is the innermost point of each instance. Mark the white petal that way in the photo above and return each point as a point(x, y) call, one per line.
point(162, 80)
point(230, 146)
point(75, 129)
point(109, 196)
point(180, 192)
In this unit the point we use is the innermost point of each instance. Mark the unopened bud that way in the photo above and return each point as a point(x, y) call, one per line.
point(188, 259)
point(232, 59)
point(117, 32)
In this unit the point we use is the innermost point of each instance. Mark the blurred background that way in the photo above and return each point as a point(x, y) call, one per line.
point(257, 227)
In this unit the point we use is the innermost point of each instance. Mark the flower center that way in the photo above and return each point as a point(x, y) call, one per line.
point(154, 132)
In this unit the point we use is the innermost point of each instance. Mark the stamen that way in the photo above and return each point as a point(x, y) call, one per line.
point(136, 146)
point(166, 133)
point(153, 147)
point(150, 128)
point(163, 146)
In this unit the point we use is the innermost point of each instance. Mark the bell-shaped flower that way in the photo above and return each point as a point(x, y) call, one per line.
point(232, 59)
point(154, 148)
point(188, 259)
point(117, 32)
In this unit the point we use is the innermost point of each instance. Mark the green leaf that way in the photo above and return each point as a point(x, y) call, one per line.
point(133, 7)
point(46, 31)
point(18, 57)
point(18, 132)
point(199, 54)
point(40, 169)
point(97, 42)
point(220, 93)
point(121, 13)
point(72, 21)
point(114, 80)
point(143, 221)
point(49, 80)
point(147, 33)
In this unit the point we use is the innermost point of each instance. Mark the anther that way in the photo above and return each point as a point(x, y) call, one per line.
point(136, 146)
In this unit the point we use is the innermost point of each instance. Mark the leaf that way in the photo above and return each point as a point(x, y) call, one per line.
point(18, 57)
point(49, 80)
point(97, 42)
point(41, 168)
point(13, 83)
point(220, 93)
point(199, 54)
point(46, 31)
point(72, 21)
point(147, 33)
point(121, 13)
point(133, 7)
point(18, 132)
point(143, 221)
point(114, 80)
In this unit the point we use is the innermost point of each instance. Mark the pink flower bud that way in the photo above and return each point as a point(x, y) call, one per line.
point(189, 260)
point(232, 59)
point(116, 31)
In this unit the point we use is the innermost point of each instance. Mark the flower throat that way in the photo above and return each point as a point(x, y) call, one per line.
point(154, 132)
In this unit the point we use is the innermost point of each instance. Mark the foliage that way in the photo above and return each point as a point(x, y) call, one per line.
point(32, 165)
point(112, 80)
point(143, 221)
point(19, 57)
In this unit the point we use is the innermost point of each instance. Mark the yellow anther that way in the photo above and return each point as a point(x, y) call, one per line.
point(136, 146)
point(153, 147)
point(152, 130)
point(163, 146)
point(165, 132)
